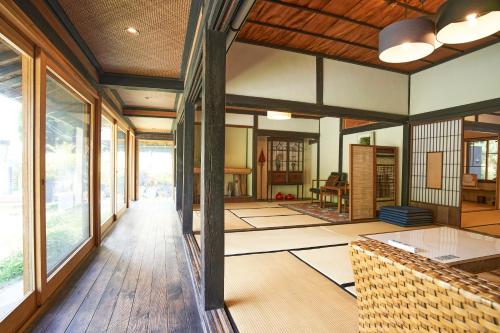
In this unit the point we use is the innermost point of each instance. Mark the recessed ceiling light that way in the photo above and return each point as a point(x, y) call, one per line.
point(277, 115)
point(132, 31)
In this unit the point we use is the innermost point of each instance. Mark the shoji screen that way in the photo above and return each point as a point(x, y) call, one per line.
point(437, 145)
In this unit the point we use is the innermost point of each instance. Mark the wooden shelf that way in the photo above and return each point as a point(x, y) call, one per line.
point(230, 171)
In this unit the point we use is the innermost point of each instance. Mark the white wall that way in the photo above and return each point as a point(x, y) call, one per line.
point(293, 125)
point(471, 78)
point(266, 72)
point(366, 88)
point(329, 146)
point(239, 119)
point(392, 136)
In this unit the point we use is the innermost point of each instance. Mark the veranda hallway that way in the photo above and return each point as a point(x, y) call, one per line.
point(137, 281)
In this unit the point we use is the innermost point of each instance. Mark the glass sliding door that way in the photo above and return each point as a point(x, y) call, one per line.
point(121, 169)
point(67, 155)
point(155, 169)
point(16, 222)
point(107, 153)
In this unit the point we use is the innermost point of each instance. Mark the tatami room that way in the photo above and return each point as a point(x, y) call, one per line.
point(249, 166)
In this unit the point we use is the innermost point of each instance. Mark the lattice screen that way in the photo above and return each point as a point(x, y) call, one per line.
point(445, 137)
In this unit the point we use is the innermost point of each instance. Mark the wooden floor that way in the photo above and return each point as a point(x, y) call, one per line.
point(137, 281)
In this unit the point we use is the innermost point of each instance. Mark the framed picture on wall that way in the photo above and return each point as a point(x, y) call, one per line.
point(367, 139)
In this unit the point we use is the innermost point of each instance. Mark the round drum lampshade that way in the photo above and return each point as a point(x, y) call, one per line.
point(462, 21)
point(407, 40)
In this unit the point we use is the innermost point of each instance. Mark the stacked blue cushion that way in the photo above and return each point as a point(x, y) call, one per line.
point(405, 216)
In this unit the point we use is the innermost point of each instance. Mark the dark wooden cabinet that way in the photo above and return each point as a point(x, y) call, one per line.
point(285, 163)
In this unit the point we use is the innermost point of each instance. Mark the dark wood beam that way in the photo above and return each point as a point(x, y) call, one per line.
point(405, 172)
point(312, 109)
point(481, 127)
point(319, 80)
point(156, 113)
point(212, 169)
point(154, 136)
point(188, 172)
point(367, 128)
point(179, 136)
point(141, 82)
point(255, 156)
point(287, 134)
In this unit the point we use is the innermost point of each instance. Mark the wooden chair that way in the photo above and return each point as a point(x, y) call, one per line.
point(335, 179)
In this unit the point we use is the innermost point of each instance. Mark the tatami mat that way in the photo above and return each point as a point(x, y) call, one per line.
point(276, 292)
point(231, 221)
point(473, 219)
point(251, 205)
point(280, 240)
point(353, 230)
point(492, 229)
point(333, 262)
point(254, 212)
point(469, 206)
point(283, 221)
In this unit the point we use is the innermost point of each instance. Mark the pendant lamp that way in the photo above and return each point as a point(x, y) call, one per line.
point(462, 21)
point(407, 40)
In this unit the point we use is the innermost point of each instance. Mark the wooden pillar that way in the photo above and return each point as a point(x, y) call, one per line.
point(212, 169)
point(255, 156)
point(405, 172)
point(179, 160)
point(188, 171)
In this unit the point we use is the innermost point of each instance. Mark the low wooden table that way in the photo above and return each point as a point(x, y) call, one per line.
point(325, 190)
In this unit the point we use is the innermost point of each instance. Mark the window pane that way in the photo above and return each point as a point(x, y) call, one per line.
point(492, 166)
point(493, 146)
point(156, 175)
point(66, 173)
point(16, 273)
point(477, 158)
point(106, 170)
point(120, 169)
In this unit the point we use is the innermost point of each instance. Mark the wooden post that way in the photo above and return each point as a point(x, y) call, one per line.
point(178, 167)
point(405, 174)
point(188, 172)
point(212, 169)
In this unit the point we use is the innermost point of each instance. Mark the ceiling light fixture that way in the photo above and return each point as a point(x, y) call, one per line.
point(132, 31)
point(277, 115)
point(407, 40)
point(462, 21)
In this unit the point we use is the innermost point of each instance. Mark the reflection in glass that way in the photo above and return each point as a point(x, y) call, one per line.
point(66, 173)
point(106, 170)
point(121, 144)
point(156, 164)
point(16, 236)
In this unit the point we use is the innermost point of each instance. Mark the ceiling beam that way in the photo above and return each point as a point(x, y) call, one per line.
point(141, 82)
point(311, 109)
point(145, 112)
point(347, 19)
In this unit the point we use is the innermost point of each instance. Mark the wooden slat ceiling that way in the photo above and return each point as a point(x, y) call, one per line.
point(343, 29)
point(156, 51)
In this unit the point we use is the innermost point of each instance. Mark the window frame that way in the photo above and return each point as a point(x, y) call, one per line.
point(27, 305)
point(107, 224)
point(120, 210)
point(468, 143)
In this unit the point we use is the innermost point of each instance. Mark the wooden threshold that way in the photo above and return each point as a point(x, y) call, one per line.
point(213, 320)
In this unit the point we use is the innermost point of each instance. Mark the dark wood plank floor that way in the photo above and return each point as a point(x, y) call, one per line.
point(137, 281)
